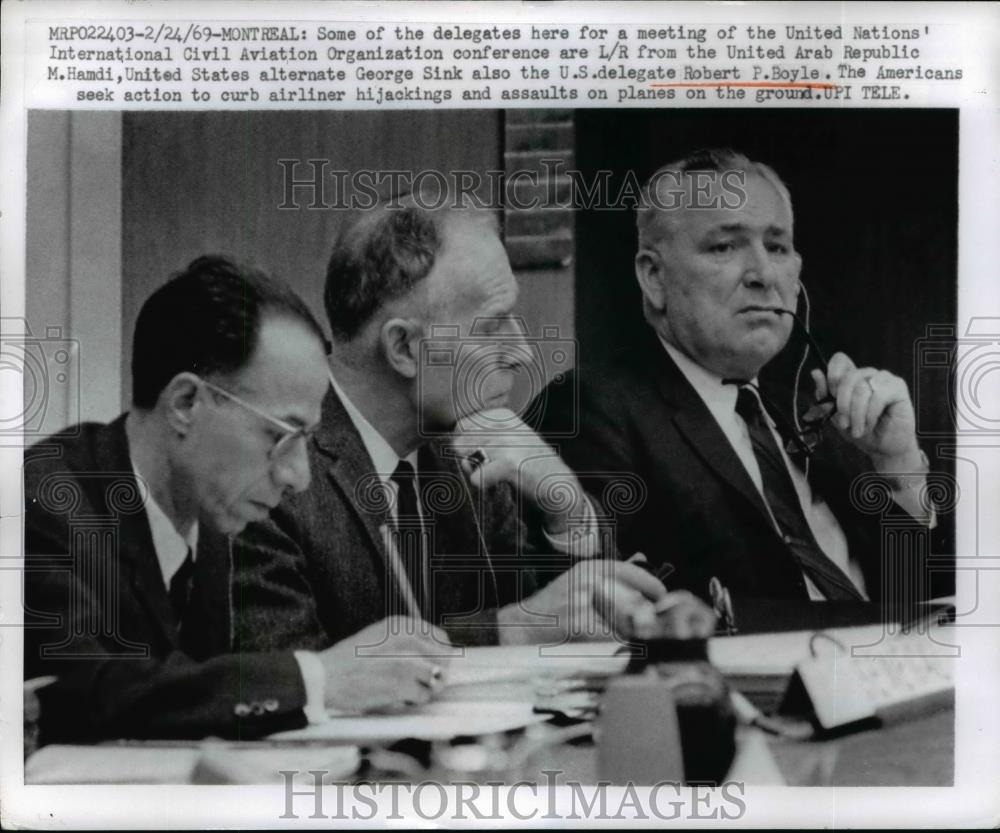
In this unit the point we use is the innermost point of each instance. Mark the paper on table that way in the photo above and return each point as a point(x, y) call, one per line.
point(778, 653)
point(434, 721)
point(256, 764)
point(200, 762)
point(58, 764)
point(525, 662)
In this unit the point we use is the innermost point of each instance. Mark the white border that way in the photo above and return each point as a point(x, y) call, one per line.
point(974, 801)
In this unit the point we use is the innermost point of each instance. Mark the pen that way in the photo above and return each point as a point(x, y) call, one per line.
point(722, 604)
point(661, 572)
point(727, 603)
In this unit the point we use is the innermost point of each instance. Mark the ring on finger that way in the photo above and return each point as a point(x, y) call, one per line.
point(436, 678)
point(479, 458)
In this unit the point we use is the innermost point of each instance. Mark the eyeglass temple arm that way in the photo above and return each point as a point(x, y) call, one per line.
point(820, 355)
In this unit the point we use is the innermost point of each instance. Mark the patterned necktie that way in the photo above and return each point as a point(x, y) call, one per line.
point(410, 531)
point(783, 501)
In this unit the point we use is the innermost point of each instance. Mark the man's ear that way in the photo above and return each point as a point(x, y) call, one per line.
point(179, 400)
point(649, 273)
point(400, 341)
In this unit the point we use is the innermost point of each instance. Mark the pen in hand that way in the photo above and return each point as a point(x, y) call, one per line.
point(661, 572)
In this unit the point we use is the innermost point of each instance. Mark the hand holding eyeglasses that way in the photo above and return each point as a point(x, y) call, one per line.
point(873, 411)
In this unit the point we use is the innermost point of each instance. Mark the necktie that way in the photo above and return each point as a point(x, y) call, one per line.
point(783, 500)
point(180, 585)
point(409, 529)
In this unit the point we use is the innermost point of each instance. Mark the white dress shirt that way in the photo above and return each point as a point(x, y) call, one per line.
point(171, 547)
point(720, 400)
point(580, 545)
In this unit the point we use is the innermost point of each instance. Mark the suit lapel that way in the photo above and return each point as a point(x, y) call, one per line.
point(136, 553)
point(444, 495)
point(352, 472)
point(696, 423)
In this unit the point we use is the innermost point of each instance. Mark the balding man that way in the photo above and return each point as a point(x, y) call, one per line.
point(429, 497)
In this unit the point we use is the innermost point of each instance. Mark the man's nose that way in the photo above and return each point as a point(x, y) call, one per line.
point(291, 469)
point(759, 268)
point(516, 351)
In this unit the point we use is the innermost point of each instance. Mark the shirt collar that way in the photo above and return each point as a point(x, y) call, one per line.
point(171, 547)
point(381, 453)
point(720, 399)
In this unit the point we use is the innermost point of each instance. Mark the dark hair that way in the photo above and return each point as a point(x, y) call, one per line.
point(207, 320)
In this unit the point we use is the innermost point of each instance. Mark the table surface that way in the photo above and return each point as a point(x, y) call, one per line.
point(918, 752)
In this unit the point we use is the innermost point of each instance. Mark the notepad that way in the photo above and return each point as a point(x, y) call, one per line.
point(902, 678)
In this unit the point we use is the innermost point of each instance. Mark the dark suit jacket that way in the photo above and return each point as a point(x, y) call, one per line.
point(637, 414)
point(101, 621)
point(317, 572)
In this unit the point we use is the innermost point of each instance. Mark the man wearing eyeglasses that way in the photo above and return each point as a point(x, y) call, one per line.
point(128, 525)
point(741, 501)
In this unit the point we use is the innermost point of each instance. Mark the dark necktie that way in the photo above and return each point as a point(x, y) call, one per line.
point(409, 529)
point(180, 586)
point(783, 500)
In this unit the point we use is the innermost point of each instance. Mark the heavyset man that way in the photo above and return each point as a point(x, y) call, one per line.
point(740, 497)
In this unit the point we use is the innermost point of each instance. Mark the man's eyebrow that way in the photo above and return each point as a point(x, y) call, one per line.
point(730, 228)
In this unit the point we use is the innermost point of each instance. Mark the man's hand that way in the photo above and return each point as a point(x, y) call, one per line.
point(517, 455)
point(389, 664)
point(595, 600)
point(874, 412)
point(679, 615)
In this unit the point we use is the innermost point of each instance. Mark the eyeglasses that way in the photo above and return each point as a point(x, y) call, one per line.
point(798, 442)
point(289, 433)
point(803, 439)
point(815, 419)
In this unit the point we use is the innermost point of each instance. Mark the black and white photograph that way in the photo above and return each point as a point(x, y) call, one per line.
point(631, 462)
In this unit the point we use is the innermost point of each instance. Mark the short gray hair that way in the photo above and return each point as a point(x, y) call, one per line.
point(720, 160)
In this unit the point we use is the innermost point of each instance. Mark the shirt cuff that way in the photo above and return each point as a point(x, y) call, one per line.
point(581, 538)
point(314, 679)
point(909, 499)
point(910, 493)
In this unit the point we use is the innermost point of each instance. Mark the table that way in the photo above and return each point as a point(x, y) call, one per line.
point(919, 752)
